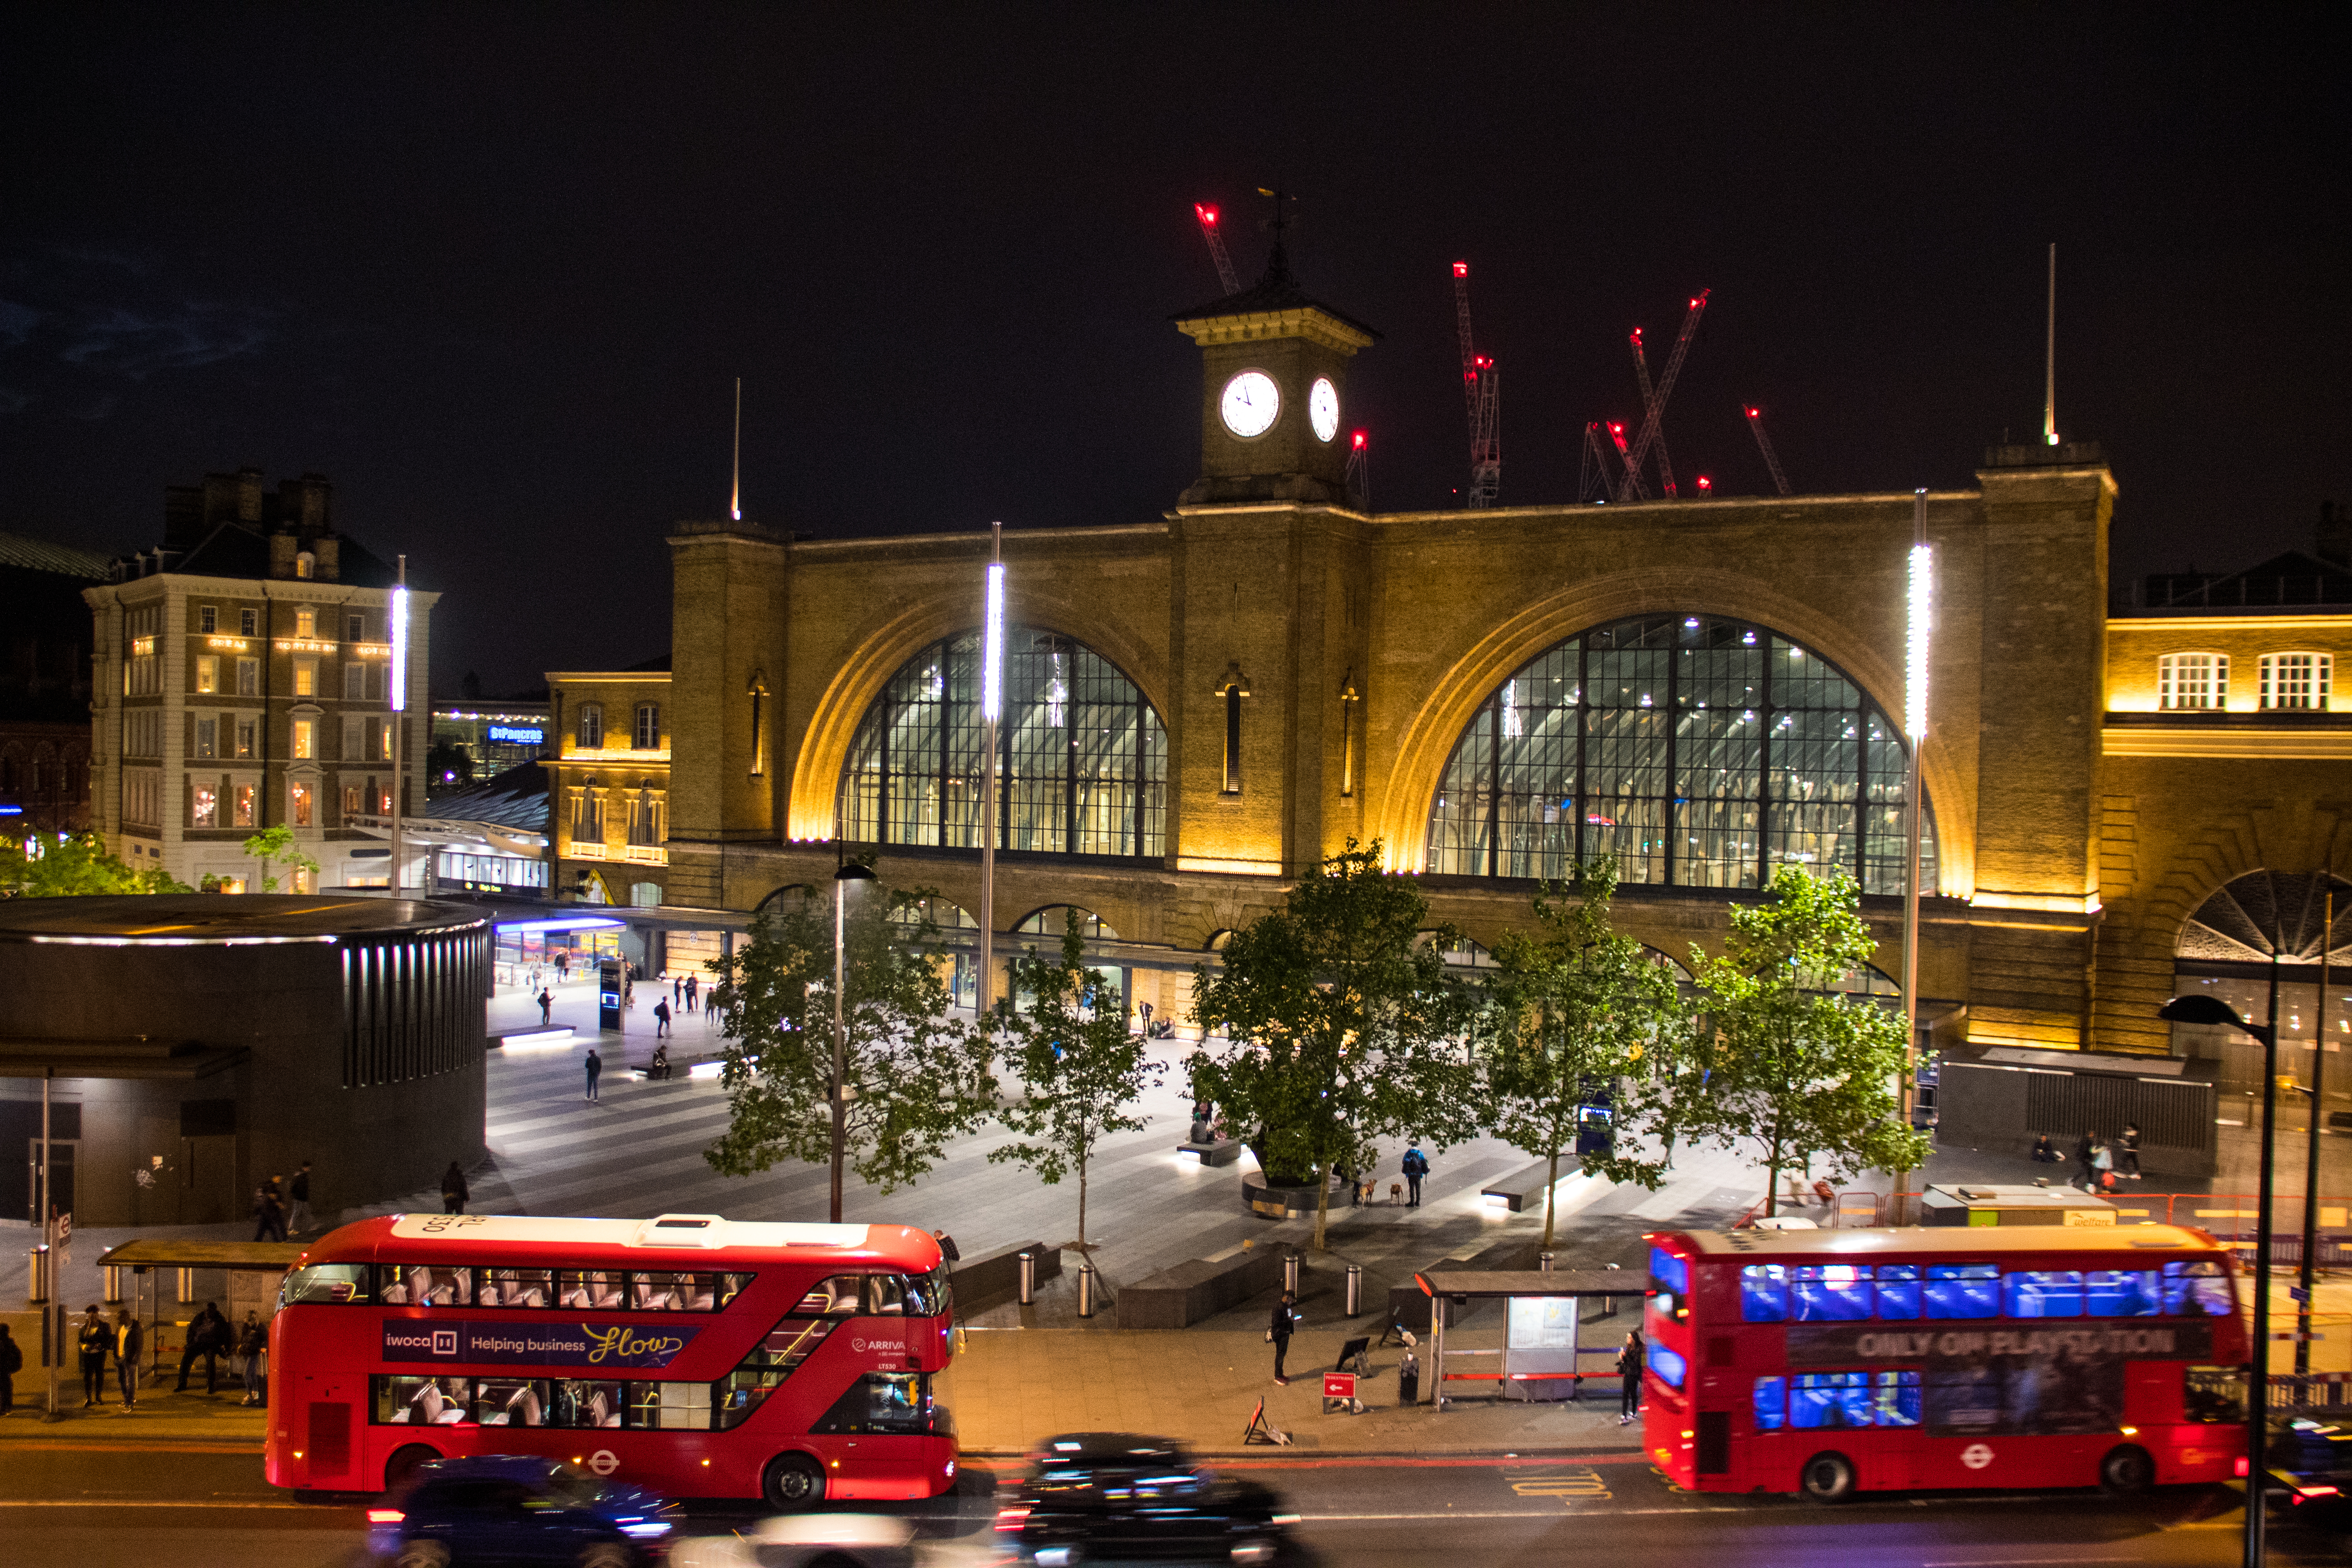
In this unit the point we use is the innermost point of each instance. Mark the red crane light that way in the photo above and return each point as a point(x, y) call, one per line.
point(1704, 483)
point(1359, 439)
point(1206, 214)
point(1462, 269)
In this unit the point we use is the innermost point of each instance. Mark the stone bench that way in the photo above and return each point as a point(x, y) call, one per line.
point(549, 1033)
point(1278, 1201)
point(995, 1278)
point(1223, 1152)
point(1520, 1188)
point(1188, 1294)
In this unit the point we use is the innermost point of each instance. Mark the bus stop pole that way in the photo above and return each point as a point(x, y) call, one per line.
point(1437, 1352)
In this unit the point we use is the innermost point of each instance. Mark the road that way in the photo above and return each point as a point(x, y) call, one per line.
point(126, 1507)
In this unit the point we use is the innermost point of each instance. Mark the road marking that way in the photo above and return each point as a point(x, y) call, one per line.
point(2020, 1561)
point(135, 1502)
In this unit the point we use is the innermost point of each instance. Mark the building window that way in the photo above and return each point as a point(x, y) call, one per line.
point(1700, 752)
point(644, 817)
point(207, 737)
point(351, 806)
point(248, 678)
point(305, 564)
point(298, 800)
point(208, 618)
point(306, 740)
point(306, 678)
point(648, 732)
point(354, 680)
point(354, 741)
point(242, 797)
point(588, 815)
point(2297, 680)
point(383, 733)
point(142, 674)
point(249, 622)
point(1082, 758)
point(203, 809)
point(355, 629)
point(306, 622)
point(591, 732)
point(208, 674)
point(143, 732)
point(142, 796)
point(2186, 680)
point(245, 737)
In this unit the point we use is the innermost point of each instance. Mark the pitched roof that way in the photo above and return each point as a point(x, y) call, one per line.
point(1277, 290)
point(2295, 578)
point(516, 799)
point(40, 555)
point(239, 549)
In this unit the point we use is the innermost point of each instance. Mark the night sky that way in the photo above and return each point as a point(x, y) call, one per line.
point(493, 271)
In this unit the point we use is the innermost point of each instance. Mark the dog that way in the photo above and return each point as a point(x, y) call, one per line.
point(1396, 1192)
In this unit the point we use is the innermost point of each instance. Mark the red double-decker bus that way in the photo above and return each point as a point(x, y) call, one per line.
point(1829, 1361)
point(694, 1355)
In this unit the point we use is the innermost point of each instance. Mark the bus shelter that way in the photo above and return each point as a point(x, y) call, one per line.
point(1543, 1326)
point(268, 1260)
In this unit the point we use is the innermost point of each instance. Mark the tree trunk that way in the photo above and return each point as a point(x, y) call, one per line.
point(1322, 1203)
point(1551, 1199)
point(1082, 1208)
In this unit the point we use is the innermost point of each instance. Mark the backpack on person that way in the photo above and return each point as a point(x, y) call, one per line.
point(12, 1357)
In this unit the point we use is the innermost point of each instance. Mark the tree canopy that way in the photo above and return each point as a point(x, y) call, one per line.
point(74, 866)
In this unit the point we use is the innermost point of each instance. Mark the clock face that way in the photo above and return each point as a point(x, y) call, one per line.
point(1250, 404)
point(1323, 410)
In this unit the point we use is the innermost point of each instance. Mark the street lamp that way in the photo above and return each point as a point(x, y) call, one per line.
point(1919, 631)
point(852, 872)
point(991, 709)
point(398, 695)
point(2204, 1008)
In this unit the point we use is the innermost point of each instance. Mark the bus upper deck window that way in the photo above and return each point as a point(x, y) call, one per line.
point(1899, 1292)
point(1764, 1293)
point(2198, 1289)
point(1669, 1273)
point(340, 1283)
point(1963, 1290)
point(2041, 1293)
point(1830, 1292)
point(1772, 1403)
point(843, 1296)
point(2121, 1293)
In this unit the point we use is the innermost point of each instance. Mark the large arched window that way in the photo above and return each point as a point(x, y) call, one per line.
point(1701, 752)
point(1082, 760)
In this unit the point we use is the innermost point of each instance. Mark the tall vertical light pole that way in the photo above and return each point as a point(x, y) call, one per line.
point(2203, 1007)
point(991, 709)
point(2311, 1151)
point(2050, 358)
point(399, 695)
point(1919, 631)
point(851, 872)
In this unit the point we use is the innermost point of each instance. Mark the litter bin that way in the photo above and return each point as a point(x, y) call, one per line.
point(1086, 1290)
point(36, 1276)
point(1409, 1380)
point(1355, 1289)
point(1290, 1273)
point(1028, 1278)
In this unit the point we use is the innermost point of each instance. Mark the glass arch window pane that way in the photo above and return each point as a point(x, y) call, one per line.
point(1082, 758)
point(1700, 750)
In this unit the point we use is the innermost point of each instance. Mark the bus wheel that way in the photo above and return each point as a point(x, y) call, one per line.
point(403, 1462)
point(2126, 1471)
point(1828, 1478)
point(791, 1482)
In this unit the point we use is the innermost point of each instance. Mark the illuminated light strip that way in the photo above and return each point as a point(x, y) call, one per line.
point(180, 941)
point(400, 650)
point(1922, 622)
point(592, 922)
point(991, 679)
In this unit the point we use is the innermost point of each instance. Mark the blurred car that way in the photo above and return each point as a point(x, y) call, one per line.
point(804, 1541)
point(515, 1509)
point(1110, 1497)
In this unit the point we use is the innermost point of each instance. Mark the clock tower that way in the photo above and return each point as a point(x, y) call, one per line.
point(1273, 393)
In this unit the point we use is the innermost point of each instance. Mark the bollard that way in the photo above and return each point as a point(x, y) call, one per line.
point(1086, 1290)
point(187, 1285)
point(1608, 1304)
point(1355, 1289)
point(1543, 1262)
point(36, 1276)
point(1290, 1273)
point(112, 1276)
point(1028, 1278)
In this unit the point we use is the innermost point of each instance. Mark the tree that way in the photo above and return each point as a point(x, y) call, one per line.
point(74, 866)
point(1343, 1025)
point(275, 843)
point(1576, 1009)
point(1076, 1061)
point(915, 1076)
point(1789, 1062)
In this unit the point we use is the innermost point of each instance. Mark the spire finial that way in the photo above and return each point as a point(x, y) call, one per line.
point(735, 496)
point(1277, 260)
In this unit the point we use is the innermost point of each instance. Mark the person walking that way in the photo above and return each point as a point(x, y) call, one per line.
point(2103, 1167)
point(12, 1362)
point(92, 1341)
point(661, 1019)
point(1415, 1166)
point(595, 1070)
point(546, 1008)
point(1630, 1360)
point(2127, 1160)
point(298, 1221)
point(1278, 1332)
point(128, 1340)
point(269, 1219)
point(207, 1337)
point(2085, 1147)
point(452, 1190)
point(693, 985)
point(562, 965)
point(252, 1343)
point(677, 989)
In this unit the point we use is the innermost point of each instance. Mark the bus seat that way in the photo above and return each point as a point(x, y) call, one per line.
point(601, 1412)
point(703, 1302)
point(488, 1294)
point(577, 1297)
point(395, 1295)
point(534, 1298)
point(522, 1409)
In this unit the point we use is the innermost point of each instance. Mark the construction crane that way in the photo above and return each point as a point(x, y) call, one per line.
point(1764, 445)
point(1482, 397)
point(1208, 216)
point(1625, 456)
point(1642, 443)
point(1592, 481)
point(1641, 375)
point(1360, 472)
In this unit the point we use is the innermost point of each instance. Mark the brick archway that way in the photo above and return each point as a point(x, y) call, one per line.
point(1478, 663)
point(883, 647)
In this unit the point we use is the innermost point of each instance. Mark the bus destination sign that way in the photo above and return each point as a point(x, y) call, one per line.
point(536, 1345)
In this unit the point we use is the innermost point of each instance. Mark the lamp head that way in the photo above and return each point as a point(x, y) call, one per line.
point(2200, 1008)
point(853, 873)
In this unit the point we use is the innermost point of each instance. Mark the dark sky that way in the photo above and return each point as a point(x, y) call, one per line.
point(493, 269)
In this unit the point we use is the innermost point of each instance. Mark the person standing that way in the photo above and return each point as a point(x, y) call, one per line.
point(661, 1019)
point(692, 985)
point(252, 1341)
point(128, 1341)
point(1628, 1368)
point(2127, 1165)
point(546, 1008)
point(595, 1070)
point(452, 1190)
point(208, 1338)
point(2085, 1147)
point(677, 989)
point(1278, 1332)
point(300, 1220)
point(269, 1219)
point(12, 1362)
point(1415, 1166)
point(92, 1342)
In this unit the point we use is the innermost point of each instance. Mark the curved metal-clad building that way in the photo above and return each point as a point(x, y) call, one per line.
point(201, 1043)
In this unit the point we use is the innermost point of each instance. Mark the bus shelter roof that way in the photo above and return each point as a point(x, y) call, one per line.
point(1491, 1283)
point(262, 1257)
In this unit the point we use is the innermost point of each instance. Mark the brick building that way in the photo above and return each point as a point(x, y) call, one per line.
point(45, 683)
